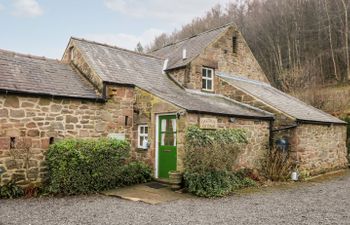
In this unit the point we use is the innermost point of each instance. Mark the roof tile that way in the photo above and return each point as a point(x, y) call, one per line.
point(279, 100)
point(39, 75)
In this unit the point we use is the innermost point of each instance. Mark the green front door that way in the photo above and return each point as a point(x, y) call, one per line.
point(166, 145)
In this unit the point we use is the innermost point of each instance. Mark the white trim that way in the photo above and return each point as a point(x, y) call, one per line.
point(208, 79)
point(157, 140)
point(144, 135)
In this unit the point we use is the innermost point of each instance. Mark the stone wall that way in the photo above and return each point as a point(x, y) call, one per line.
point(257, 133)
point(220, 56)
point(180, 76)
point(76, 58)
point(33, 122)
point(147, 107)
point(228, 90)
point(319, 148)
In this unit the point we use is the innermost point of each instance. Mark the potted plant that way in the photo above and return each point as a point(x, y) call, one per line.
point(175, 178)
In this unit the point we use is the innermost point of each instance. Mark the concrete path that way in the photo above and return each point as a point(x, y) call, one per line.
point(144, 193)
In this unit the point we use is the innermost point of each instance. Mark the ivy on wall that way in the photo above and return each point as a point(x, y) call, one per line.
point(210, 157)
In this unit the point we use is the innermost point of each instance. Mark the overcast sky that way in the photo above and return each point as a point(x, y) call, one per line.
point(43, 27)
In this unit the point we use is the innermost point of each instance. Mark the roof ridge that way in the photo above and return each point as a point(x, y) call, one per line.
point(29, 55)
point(196, 35)
point(115, 47)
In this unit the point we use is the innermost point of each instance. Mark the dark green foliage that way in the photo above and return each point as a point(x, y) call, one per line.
point(135, 173)
point(86, 166)
point(210, 157)
point(215, 183)
point(212, 149)
point(11, 190)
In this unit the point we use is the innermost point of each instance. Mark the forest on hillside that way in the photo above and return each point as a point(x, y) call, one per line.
point(300, 44)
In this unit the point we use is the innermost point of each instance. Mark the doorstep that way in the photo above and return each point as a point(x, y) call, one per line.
point(151, 193)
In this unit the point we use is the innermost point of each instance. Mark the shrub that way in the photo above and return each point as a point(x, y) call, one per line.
point(135, 173)
point(85, 166)
point(11, 190)
point(210, 157)
point(277, 165)
point(215, 183)
point(212, 149)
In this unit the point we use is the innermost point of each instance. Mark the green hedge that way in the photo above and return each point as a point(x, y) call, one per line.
point(212, 149)
point(85, 166)
point(11, 190)
point(215, 183)
point(210, 157)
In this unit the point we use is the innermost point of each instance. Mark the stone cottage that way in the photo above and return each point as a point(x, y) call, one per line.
point(211, 80)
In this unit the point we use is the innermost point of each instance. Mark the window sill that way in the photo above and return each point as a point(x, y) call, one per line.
point(141, 150)
point(207, 91)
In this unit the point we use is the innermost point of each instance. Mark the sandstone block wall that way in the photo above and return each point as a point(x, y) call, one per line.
point(228, 90)
point(220, 56)
point(29, 124)
point(147, 107)
point(257, 134)
point(319, 148)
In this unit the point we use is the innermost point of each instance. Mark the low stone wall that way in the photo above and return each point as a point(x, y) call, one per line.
point(257, 134)
point(319, 148)
point(29, 124)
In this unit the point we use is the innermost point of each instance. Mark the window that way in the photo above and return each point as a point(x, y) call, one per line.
point(207, 79)
point(71, 53)
point(143, 135)
point(12, 142)
point(234, 44)
point(51, 140)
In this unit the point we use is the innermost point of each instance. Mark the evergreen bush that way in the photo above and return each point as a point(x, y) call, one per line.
point(85, 166)
point(210, 158)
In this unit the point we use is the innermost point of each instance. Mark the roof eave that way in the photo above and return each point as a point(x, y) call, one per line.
point(265, 118)
point(320, 122)
point(40, 94)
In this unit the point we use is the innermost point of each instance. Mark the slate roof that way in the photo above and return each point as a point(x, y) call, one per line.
point(38, 75)
point(116, 65)
point(279, 100)
point(193, 45)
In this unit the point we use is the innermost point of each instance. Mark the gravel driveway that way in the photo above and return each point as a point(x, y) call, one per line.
point(326, 202)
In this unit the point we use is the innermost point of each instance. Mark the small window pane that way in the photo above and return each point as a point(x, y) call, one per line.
point(141, 141)
point(173, 121)
point(164, 125)
point(204, 72)
point(146, 130)
point(169, 139)
point(209, 73)
point(204, 85)
point(209, 86)
point(142, 130)
point(163, 139)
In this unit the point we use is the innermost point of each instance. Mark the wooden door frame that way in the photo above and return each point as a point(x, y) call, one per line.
point(157, 141)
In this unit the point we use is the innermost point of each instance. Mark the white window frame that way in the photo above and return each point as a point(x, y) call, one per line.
point(206, 78)
point(144, 135)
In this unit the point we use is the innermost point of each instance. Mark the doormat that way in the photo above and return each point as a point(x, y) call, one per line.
point(155, 185)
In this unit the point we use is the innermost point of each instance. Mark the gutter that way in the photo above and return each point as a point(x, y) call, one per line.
point(272, 131)
point(285, 128)
point(233, 115)
point(38, 94)
point(320, 122)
